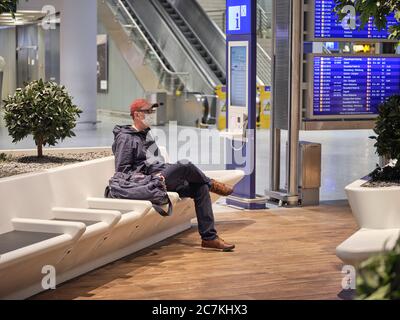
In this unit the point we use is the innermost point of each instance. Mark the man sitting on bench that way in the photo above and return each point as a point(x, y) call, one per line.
point(136, 151)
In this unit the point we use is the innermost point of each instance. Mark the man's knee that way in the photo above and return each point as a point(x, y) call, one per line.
point(187, 165)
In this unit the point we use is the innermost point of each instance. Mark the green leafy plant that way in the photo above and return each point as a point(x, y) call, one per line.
point(387, 130)
point(3, 157)
point(8, 6)
point(379, 277)
point(377, 9)
point(43, 109)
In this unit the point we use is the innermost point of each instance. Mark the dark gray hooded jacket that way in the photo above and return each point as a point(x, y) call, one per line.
point(136, 151)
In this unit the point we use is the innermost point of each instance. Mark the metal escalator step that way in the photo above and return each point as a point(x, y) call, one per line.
point(208, 60)
point(213, 67)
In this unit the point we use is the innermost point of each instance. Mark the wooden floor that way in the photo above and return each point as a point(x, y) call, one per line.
point(281, 254)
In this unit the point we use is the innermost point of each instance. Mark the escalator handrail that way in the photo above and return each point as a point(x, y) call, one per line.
point(264, 52)
point(172, 73)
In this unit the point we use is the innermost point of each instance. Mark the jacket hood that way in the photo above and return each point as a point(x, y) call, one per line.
point(127, 129)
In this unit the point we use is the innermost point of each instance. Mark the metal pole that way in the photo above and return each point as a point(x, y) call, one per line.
point(1, 87)
point(294, 111)
point(275, 134)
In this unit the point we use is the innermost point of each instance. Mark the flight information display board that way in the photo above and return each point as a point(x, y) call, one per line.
point(327, 25)
point(352, 86)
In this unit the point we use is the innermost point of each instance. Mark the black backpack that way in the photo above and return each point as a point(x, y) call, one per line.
point(138, 186)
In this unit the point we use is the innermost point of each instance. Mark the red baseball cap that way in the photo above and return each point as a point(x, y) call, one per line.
point(141, 104)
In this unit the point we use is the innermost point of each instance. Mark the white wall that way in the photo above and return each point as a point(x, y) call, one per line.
point(212, 4)
point(78, 50)
point(123, 87)
point(37, 5)
point(7, 51)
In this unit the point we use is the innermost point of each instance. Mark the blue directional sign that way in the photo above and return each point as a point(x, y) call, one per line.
point(239, 15)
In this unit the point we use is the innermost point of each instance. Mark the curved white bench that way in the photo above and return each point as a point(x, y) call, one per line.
point(77, 229)
point(28, 247)
point(365, 243)
point(377, 213)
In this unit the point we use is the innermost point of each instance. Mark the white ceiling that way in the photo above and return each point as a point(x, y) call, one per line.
point(21, 17)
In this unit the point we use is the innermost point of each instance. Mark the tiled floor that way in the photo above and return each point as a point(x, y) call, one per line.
point(346, 155)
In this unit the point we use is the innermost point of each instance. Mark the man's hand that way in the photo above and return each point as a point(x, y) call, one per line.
point(161, 176)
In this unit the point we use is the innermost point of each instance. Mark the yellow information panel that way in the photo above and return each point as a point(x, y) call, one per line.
point(221, 116)
point(263, 107)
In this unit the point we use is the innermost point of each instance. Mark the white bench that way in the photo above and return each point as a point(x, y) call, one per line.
point(60, 218)
point(366, 243)
point(376, 211)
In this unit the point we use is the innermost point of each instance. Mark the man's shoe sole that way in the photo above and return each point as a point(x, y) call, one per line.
point(217, 249)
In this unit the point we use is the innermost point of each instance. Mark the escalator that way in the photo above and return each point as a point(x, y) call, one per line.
point(176, 39)
point(181, 13)
point(163, 30)
point(205, 35)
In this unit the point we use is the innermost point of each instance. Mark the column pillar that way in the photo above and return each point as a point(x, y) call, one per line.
point(78, 55)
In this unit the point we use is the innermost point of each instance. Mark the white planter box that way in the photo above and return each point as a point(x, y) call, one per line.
point(377, 212)
point(374, 208)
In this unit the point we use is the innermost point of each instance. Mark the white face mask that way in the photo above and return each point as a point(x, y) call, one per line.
point(148, 120)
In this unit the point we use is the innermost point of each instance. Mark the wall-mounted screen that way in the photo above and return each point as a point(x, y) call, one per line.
point(102, 63)
point(326, 25)
point(238, 76)
point(351, 86)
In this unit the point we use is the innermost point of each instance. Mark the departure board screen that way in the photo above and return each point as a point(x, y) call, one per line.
point(328, 26)
point(353, 86)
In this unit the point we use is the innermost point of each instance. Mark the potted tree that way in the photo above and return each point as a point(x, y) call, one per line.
point(379, 192)
point(8, 6)
point(43, 109)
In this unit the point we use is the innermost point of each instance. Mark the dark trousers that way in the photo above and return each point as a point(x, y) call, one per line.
point(190, 182)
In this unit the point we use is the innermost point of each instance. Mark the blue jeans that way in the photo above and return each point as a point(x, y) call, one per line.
point(190, 182)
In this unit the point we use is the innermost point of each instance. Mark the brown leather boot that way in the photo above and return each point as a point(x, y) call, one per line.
point(218, 244)
point(220, 188)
